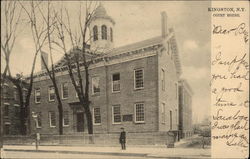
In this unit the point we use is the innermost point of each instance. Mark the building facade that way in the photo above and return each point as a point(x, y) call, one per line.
point(185, 109)
point(133, 86)
point(10, 105)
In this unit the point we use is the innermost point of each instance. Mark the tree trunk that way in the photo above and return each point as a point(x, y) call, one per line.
point(89, 120)
point(59, 106)
point(60, 110)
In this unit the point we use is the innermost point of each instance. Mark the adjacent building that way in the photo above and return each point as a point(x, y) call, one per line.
point(134, 86)
point(10, 105)
point(185, 109)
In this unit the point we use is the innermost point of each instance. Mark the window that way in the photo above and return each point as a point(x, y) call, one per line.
point(65, 91)
point(176, 115)
point(78, 87)
point(97, 116)
point(116, 82)
point(24, 95)
point(104, 32)
point(95, 85)
point(15, 95)
point(116, 112)
point(138, 78)
point(139, 113)
point(16, 109)
point(111, 34)
point(39, 120)
point(51, 93)
point(65, 118)
point(95, 31)
point(163, 115)
point(6, 109)
point(37, 95)
point(171, 122)
point(7, 129)
point(52, 119)
point(163, 79)
point(176, 90)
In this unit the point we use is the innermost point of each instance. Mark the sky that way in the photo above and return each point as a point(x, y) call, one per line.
point(137, 21)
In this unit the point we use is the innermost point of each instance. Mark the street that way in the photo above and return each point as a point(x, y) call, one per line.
point(33, 155)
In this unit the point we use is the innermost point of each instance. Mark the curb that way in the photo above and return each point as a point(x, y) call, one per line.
point(81, 152)
point(112, 154)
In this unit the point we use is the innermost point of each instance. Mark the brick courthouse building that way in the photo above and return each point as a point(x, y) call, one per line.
point(133, 86)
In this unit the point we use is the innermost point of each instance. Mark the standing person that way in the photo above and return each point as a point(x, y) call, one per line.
point(123, 139)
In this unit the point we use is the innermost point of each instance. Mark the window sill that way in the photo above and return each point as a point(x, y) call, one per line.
point(140, 122)
point(115, 92)
point(137, 89)
point(64, 98)
point(52, 126)
point(37, 102)
point(51, 101)
point(65, 125)
point(116, 123)
point(96, 94)
point(96, 124)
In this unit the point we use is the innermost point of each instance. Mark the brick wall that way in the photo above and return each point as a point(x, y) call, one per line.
point(12, 118)
point(127, 97)
point(169, 96)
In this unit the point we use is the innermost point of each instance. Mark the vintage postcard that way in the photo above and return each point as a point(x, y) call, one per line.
point(124, 79)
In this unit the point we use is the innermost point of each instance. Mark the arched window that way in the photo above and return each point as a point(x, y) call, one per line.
point(111, 34)
point(95, 31)
point(104, 32)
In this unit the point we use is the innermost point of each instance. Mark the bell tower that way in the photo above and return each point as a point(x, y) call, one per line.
point(101, 28)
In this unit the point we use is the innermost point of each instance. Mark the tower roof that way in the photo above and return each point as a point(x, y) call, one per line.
point(101, 12)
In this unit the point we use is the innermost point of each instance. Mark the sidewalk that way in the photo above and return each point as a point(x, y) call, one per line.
point(151, 152)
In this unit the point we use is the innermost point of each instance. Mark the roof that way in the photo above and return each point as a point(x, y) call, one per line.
point(129, 49)
point(137, 45)
point(101, 12)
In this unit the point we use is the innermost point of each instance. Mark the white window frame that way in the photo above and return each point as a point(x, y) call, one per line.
point(77, 85)
point(135, 112)
point(177, 116)
point(36, 95)
point(163, 112)
point(50, 100)
point(8, 105)
point(92, 86)
point(163, 85)
point(94, 123)
point(176, 90)
point(142, 79)
point(50, 121)
point(64, 118)
point(38, 126)
point(62, 90)
point(113, 122)
point(15, 94)
point(112, 83)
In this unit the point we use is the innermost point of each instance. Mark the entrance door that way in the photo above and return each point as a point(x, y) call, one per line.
point(80, 122)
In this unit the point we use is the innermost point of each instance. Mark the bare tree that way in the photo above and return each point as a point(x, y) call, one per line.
point(11, 14)
point(49, 20)
point(77, 58)
point(39, 37)
point(10, 20)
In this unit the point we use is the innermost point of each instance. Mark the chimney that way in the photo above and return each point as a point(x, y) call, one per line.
point(164, 27)
point(45, 57)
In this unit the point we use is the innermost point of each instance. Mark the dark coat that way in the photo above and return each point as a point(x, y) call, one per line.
point(123, 137)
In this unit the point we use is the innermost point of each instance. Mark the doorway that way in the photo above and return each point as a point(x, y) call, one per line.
point(80, 122)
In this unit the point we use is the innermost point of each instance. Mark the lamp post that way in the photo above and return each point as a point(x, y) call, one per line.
point(35, 116)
